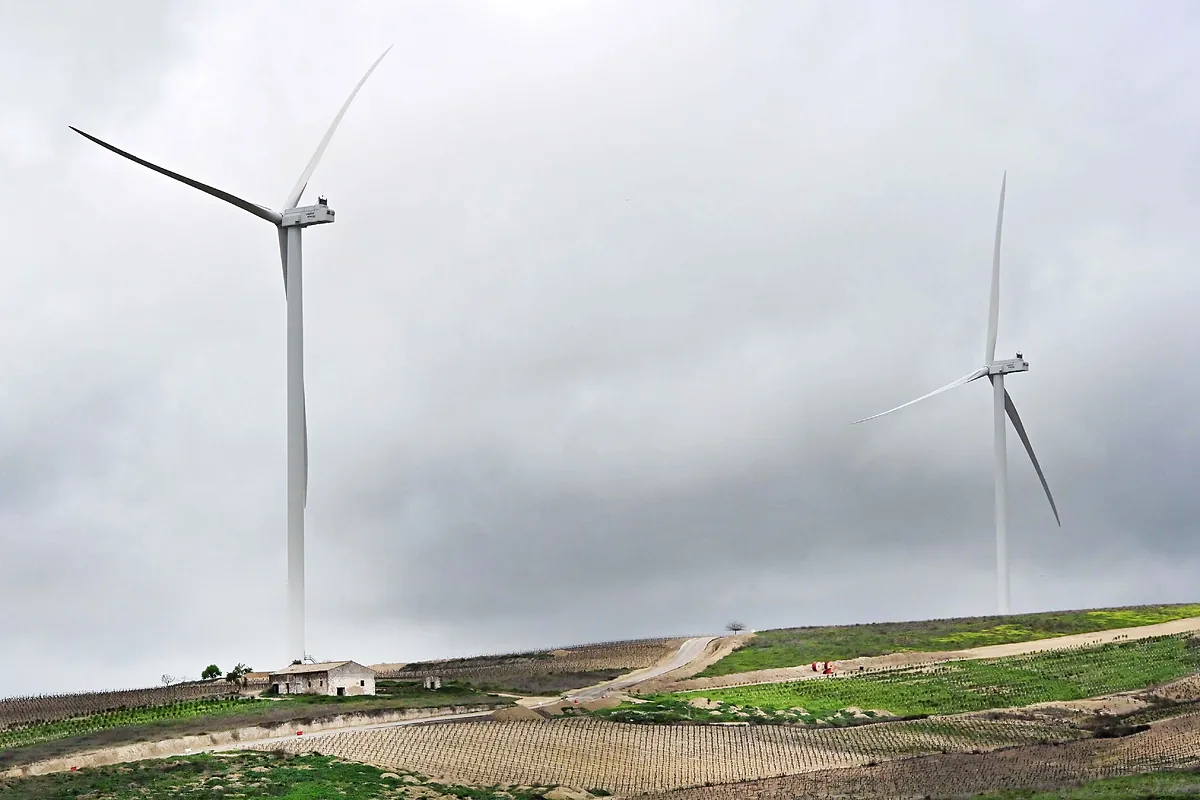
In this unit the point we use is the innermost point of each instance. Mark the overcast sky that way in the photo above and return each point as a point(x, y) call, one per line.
point(609, 282)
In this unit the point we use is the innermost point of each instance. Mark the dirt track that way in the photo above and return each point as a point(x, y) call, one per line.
point(912, 659)
point(688, 653)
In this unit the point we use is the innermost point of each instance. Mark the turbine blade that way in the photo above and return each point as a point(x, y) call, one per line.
point(283, 254)
point(979, 373)
point(254, 208)
point(294, 196)
point(1011, 408)
point(994, 303)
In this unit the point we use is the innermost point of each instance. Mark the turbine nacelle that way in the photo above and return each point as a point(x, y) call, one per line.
point(302, 217)
point(1008, 365)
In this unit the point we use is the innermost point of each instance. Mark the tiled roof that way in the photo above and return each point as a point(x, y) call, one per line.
point(298, 669)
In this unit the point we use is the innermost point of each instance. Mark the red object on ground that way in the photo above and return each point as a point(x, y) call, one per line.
point(299, 733)
point(74, 768)
point(814, 666)
point(829, 670)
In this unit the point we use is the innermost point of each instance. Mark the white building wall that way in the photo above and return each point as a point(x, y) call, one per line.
point(309, 683)
point(352, 679)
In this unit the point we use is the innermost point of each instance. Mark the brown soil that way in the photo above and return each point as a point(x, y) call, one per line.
point(1116, 705)
point(555, 707)
point(386, 667)
point(1172, 744)
point(1182, 690)
point(604, 702)
point(516, 713)
point(591, 752)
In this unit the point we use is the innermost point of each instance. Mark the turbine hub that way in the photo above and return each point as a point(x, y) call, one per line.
point(302, 217)
point(1018, 364)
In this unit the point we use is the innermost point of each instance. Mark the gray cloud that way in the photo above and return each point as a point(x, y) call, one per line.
point(607, 287)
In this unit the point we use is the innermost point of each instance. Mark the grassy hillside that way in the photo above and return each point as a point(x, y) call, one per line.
point(792, 647)
point(33, 742)
point(545, 672)
point(306, 777)
point(952, 688)
point(247, 774)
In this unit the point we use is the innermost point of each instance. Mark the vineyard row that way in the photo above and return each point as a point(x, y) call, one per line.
point(39, 709)
point(638, 758)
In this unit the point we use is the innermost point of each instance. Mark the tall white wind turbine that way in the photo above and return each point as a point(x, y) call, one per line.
point(290, 222)
point(1001, 403)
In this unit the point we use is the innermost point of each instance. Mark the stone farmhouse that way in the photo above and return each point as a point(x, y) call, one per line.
point(334, 678)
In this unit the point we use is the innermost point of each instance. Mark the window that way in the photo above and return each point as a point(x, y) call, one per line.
point(362, 683)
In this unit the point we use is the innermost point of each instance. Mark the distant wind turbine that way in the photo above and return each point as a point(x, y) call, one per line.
point(1002, 402)
point(290, 222)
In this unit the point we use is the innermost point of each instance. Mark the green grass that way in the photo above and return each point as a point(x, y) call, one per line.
point(248, 775)
point(952, 688)
point(63, 729)
point(791, 647)
point(1181, 784)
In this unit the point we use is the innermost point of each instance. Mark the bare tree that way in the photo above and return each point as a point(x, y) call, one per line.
point(735, 627)
point(168, 680)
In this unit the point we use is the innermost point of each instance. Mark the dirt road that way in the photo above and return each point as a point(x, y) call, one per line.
point(892, 660)
point(689, 651)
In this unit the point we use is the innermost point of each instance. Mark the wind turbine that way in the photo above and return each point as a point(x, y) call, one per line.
point(289, 222)
point(995, 371)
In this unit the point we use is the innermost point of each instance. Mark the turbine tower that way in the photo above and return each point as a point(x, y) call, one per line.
point(289, 222)
point(1002, 403)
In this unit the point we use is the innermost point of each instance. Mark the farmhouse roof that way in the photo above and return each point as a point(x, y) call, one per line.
point(299, 669)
